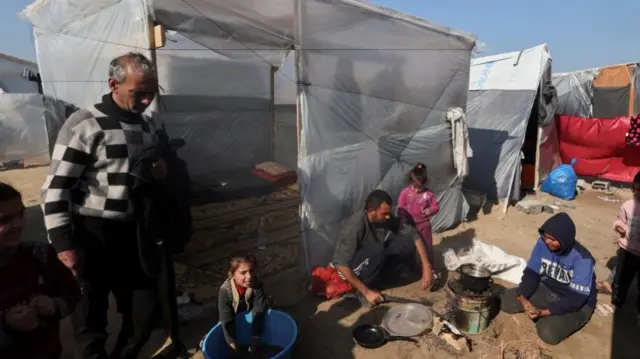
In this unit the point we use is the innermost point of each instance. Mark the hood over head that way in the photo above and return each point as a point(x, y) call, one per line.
point(562, 228)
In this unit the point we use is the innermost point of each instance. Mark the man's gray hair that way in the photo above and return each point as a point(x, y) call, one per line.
point(118, 66)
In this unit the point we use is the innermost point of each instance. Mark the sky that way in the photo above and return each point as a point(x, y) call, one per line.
point(580, 33)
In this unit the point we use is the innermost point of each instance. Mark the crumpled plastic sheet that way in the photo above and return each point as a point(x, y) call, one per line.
point(575, 92)
point(503, 265)
point(22, 127)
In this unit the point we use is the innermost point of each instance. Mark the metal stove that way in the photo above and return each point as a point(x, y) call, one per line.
point(471, 312)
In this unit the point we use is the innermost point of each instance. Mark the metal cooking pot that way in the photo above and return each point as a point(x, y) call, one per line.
point(474, 278)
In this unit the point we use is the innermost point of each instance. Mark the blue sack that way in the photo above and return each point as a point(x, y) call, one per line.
point(561, 182)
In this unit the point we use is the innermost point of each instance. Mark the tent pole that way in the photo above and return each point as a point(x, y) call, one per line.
point(536, 181)
point(298, 38)
point(272, 104)
point(303, 260)
point(298, 104)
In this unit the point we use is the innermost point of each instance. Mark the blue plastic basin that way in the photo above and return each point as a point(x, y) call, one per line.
point(279, 330)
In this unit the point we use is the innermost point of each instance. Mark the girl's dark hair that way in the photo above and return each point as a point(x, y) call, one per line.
point(236, 260)
point(636, 178)
point(8, 192)
point(418, 173)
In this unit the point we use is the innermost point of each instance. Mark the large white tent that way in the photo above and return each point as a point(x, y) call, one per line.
point(507, 106)
point(372, 90)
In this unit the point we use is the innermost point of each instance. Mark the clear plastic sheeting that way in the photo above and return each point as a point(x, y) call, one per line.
point(575, 91)
point(375, 86)
point(284, 81)
point(76, 40)
point(221, 141)
point(22, 127)
point(187, 69)
point(286, 138)
point(255, 30)
point(497, 122)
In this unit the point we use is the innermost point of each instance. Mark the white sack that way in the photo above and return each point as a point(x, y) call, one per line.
point(503, 265)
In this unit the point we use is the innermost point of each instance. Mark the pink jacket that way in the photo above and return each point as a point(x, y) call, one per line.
point(629, 219)
point(421, 205)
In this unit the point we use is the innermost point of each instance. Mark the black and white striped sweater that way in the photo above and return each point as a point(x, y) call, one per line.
point(90, 167)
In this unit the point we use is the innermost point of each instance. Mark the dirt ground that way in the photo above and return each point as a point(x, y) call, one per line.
point(325, 327)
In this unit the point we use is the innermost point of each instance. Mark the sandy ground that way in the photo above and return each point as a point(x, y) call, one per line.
point(325, 327)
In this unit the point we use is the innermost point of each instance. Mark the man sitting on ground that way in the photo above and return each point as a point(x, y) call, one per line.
point(372, 238)
point(558, 288)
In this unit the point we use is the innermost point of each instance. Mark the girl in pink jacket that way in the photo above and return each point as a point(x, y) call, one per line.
point(627, 225)
point(418, 202)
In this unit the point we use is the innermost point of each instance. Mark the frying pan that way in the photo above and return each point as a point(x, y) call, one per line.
point(372, 336)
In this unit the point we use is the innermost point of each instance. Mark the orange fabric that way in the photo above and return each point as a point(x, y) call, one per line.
point(614, 76)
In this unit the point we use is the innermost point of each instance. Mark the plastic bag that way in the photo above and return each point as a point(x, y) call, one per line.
point(326, 282)
point(561, 182)
point(503, 265)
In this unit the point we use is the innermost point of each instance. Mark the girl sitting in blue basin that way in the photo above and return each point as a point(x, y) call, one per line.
point(242, 292)
point(248, 327)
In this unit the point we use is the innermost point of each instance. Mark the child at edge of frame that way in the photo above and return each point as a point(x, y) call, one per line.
point(36, 290)
point(627, 226)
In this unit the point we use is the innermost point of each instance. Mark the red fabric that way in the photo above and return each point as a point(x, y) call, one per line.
point(284, 179)
point(326, 282)
point(241, 290)
point(599, 147)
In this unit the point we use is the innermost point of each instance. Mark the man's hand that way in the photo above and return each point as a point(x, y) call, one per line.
point(44, 306)
point(620, 230)
point(373, 297)
point(526, 304)
point(72, 259)
point(427, 279)
point(21, 319)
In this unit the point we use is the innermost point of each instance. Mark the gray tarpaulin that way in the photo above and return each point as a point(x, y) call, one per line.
point(502, 93)
point(375, 87)
point(497, 124)
point(575, 92)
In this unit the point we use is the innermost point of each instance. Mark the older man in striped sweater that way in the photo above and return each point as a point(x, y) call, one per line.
point(88, 208)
